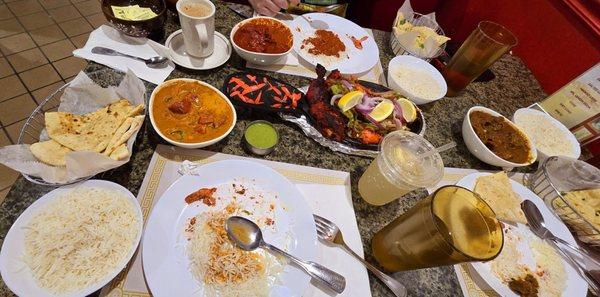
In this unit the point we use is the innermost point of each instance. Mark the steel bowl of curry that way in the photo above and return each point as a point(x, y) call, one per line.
point(495, 140)
point(191, 113)
point(262, 40)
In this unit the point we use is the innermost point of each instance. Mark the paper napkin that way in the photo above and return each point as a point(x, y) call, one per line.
point(110, 37)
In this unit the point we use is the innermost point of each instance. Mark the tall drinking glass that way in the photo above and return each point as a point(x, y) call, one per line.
point(450, 226)
point(406, 161)
point(486, 44)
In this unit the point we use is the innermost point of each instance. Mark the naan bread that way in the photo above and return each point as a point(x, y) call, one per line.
point(50, 152)
point(130, 126)
point(88, 132)
point(496, 190)
point(120, 153)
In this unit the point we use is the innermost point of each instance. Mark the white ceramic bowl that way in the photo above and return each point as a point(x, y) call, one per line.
point(478, 148)
point(568, 135)
point(254, 57)
point(189, 144)
point(394, 82)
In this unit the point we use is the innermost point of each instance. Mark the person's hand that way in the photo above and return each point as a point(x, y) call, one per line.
point(271, 7)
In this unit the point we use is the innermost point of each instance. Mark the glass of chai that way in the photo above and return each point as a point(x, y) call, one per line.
point(406, 161)
point(450, 226)
point(486, 44)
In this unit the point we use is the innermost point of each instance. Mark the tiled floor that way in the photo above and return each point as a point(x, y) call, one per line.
point(37, 38)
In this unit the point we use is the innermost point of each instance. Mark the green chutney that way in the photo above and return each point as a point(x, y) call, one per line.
point(261, 135)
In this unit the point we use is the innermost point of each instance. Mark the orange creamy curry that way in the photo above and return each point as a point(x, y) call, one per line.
point(190, 112)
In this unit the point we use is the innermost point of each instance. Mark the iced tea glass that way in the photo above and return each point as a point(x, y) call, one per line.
point(486, 44)
point(406, 161)
point(450, 226)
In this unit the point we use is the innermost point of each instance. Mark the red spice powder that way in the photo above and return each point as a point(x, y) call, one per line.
point(324, 43)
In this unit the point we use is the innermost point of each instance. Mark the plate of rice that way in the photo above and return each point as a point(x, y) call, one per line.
point(72, 241)
point(527, 263)
point(186, 250)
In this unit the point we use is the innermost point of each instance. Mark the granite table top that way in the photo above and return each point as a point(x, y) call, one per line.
point(514, 87)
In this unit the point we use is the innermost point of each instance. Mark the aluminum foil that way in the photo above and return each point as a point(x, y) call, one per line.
point(313, 133)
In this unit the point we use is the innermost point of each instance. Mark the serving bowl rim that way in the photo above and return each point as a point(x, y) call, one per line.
point(531, 145)
point(421, 64)
point(239, 24)
point(106, 11)
point(190, 144)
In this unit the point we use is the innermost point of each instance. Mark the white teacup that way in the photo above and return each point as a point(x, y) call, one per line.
point(197, 18)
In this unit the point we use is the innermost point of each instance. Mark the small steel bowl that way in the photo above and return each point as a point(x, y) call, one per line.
point(256, 150)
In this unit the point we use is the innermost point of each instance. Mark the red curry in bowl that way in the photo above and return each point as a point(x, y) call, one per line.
point(264, 35)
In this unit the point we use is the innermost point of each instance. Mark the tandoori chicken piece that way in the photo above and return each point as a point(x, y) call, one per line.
point(330, 121)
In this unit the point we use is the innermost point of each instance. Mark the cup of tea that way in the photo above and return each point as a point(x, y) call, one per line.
point(453, 225)
point(197, 18)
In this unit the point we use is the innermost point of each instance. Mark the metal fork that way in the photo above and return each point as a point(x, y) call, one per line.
point(329, 232)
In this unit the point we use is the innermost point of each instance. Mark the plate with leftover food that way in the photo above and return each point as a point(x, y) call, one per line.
point(72, 241)
point(186, 250)
point(191, 113)
point(337, 43)
point(527, 265)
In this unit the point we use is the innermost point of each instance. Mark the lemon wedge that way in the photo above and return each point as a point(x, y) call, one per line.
point(350, 100)
point(383, 110)
point(409, 111)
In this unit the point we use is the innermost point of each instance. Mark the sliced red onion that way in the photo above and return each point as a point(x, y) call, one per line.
point(372, 120)
point(334, 98)
point(398, 122)
point(398, 111)
point(364, 109)
point(347, 84)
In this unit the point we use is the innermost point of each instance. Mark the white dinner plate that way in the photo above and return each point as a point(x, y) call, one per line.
point(359, 60)
point(15, 273)
point(575, 285)
point(166, 265)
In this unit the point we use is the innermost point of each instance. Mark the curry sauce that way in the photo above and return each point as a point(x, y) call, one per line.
point(263, 36)
point(190, 112)
point(501, 137)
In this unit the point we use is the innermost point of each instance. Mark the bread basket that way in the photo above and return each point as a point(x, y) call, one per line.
point(35, 125)
point(417, 20)
point(541, 183)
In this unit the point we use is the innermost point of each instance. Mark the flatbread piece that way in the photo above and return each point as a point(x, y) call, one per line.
point(50, 152)
point(496, 190)
point(88, 132)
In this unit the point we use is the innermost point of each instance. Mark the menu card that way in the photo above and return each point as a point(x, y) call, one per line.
point(577, 105)
point(327, 193)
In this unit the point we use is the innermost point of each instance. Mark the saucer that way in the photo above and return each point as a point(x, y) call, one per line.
point(220, 55)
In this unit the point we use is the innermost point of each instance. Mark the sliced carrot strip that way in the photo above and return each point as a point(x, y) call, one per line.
point(251, 77)
point(274, 89)
point(257, 101)
point(251, 89)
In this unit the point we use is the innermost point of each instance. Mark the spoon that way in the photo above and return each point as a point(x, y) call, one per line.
point(247, 236)
point(536, 223)
point(154, 62)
